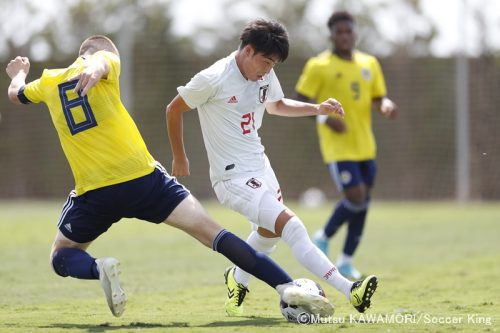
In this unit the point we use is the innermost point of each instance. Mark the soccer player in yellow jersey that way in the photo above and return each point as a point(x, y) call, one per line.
point(116, 177)
point(347, 145)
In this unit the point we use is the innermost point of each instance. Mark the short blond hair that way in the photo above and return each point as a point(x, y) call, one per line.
point(97, 43)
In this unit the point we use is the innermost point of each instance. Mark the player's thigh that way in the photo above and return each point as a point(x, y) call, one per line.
point(70, 213)
point(159, 197)
point(359, 193)
point(191, 217)
point(253, 198)
point(61, 242)
point(82, 220)
point(350, 180)
point(155, 197)
point(368, 172)
point(345, 174)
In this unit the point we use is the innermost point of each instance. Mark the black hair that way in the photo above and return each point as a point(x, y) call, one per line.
point(339, 16)
point(269, 38)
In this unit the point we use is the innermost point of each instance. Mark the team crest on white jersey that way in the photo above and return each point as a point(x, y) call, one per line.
point(253, 183)
point(263, 93)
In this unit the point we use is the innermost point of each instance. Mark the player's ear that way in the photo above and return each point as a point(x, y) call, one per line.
point(248, 50)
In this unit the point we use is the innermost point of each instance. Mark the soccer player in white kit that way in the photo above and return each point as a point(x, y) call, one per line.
point(231, 97)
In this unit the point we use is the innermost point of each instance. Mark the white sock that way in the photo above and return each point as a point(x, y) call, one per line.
point(280, 288)
point(260, 244)
point(320, 234)
point(344, 259)
point(295, 235)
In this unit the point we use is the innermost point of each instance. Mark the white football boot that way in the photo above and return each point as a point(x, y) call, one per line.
point(313, 304)
point(109, 272)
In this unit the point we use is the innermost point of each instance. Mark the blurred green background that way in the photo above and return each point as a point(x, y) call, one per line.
point(427, 154)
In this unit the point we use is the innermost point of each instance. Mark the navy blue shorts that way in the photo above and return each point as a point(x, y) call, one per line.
point(350, 173)
point(152, 198)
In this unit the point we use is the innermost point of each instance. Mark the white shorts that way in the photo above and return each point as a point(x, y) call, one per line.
point(257, 197)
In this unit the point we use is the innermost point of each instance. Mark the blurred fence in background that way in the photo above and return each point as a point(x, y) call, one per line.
point(416, 153)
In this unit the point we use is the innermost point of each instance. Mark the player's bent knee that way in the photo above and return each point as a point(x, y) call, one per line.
point(357, 195)
point(357, 207)
point(58, 263)
point(284, 217)
point(270, 210)
point(266, 233)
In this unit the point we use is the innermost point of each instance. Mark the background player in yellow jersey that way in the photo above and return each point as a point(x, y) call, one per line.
point(116, 176)
point(347, 145)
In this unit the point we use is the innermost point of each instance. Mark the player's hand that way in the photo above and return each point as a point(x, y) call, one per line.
point(336, 125)
point(95, 69)
point(180, 167)
point(331, 106)
point(18, 65)
point(388, 108)
point(86, 80)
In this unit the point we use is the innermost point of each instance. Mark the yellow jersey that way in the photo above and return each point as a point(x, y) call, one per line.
point(99, 138)
point(354, 83)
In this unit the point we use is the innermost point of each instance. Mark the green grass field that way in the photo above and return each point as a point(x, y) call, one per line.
point(438, 266)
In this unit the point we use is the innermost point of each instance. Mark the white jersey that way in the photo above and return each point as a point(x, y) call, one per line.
point(230, 109)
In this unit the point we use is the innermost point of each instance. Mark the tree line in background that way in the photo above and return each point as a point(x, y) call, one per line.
point(54, 28)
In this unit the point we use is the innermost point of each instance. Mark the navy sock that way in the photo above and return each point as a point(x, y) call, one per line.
point(354, 232)
point(340, 214)
point(249, 260)
point(75, 263)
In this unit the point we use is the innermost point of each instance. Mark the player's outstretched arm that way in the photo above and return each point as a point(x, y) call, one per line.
point(17, 69)
point(173, 113)
point(96, 68)
point(292, 108)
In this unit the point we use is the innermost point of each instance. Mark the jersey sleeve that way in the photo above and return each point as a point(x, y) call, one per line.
point(31, 93)
point(378, 88)
point(310, 80)
point(197, 91)
point(114, 64)
point(275, 90)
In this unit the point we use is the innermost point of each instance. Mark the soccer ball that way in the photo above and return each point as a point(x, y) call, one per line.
point(294, 313)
